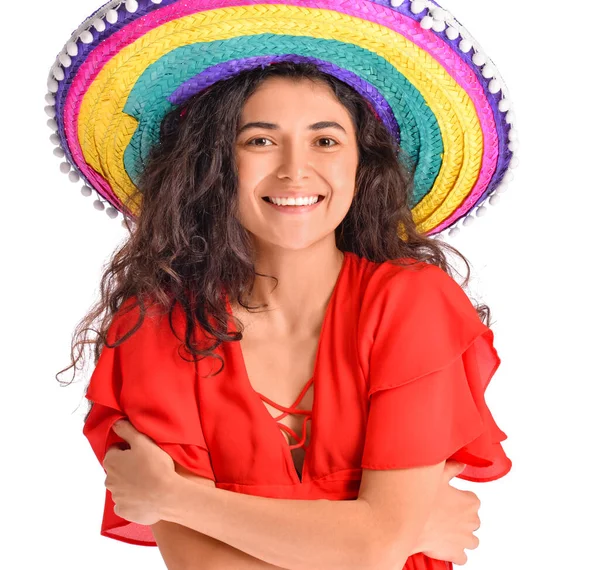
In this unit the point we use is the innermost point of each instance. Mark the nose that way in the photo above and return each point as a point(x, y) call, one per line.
point(295, 162)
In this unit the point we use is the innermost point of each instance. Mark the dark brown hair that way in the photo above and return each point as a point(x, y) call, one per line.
point(187, 243)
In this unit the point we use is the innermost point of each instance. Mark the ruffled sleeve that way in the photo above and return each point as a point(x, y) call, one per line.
point(429, 360)
point(145, 381)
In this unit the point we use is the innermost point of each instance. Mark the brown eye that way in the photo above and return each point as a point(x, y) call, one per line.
point(328, 139)
point(257, 139)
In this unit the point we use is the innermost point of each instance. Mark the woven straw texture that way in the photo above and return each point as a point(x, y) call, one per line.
point(111, 104)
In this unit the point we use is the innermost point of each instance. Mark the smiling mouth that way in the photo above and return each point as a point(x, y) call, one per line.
point(266, 199)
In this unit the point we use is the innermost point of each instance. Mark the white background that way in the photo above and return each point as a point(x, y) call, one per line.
point(534, 258)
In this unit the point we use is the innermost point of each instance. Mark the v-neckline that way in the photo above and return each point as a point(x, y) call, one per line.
point(260, 403)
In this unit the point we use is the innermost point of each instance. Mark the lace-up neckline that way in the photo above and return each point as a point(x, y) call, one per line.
point(292, 410)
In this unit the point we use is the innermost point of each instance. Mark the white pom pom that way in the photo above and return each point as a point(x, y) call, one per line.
point(504, 105)
point(50, 111)
point(513, 146)
point(417, 6)
point(131, 6)
point(512, 134)
point(156, 1)
point(72, 49)
point(112, 16)
point(50, 99)
point(479, 58)
point(58, 151)
point(465, 46)
point(98, 205)
point(438, 13)
point(454, 232)
point(439, 25)
point(508, 177)
point(99, 24)
point(468, 220)
point(494, 86)
point(86, 37)
point(427, 23)
point(481, 211)
point(86, 191)
point(488, 71)
point(514, 162)
point(494, 199)
point(52, 85)
point(451, 33)
point(65, 60)
point(58, 73)
point(111, 212)
point(510, 117)
point(65, 167)
point(501, 188)
point(74, 176)
point(54, 138)
point(52, 124)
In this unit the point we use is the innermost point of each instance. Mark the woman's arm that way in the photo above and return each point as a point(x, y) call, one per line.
point(313, 534)
point(185, 549)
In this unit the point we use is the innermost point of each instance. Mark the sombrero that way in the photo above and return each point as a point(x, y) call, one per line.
point(427, 79)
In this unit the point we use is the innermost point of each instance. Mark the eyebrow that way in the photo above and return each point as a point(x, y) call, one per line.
point(275, 127)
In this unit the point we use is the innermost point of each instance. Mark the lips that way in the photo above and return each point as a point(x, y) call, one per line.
point(294, 209)
point(266, 198)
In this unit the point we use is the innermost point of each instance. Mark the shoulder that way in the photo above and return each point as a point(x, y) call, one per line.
point(406, 281)
point(141, 318)
point(414, 321)
point(415, 303)
point(149, 347)
point(410, 272)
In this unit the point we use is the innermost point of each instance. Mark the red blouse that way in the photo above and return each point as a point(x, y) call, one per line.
point(402, 365)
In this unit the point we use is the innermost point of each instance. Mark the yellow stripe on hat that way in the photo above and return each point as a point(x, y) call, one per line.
point(104, 139)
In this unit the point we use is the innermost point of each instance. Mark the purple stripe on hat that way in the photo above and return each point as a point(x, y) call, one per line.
point(227, 69)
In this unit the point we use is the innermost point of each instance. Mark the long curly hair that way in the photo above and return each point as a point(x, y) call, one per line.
point(187, 245)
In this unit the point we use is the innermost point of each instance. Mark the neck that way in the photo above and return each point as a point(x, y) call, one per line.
point(306, 280)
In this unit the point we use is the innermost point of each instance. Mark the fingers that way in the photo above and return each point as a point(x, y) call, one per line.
point(452, 469)
point(476, 500)
point(474, 543)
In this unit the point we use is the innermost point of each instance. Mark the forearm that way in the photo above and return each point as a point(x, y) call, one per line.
point(226, 557)
point(292, 534)
point(185, 549)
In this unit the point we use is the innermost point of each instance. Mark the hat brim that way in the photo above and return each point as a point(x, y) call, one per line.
point(429, 93)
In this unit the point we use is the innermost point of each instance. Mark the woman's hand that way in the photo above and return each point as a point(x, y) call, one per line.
point(452, 522)
point(138, 478)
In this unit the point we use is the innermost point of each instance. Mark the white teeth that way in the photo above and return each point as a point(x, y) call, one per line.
point(294, 202)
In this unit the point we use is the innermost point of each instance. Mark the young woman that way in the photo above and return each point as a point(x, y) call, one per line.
point(275, 283)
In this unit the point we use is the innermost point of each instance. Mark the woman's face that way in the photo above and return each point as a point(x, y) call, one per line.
point(289, 152)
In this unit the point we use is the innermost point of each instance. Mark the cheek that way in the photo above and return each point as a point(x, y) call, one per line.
point(250, 174)
point(342, 177)
point(246, 180)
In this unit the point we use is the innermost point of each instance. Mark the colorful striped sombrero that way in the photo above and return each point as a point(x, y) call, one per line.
point(430, 83)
